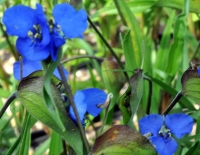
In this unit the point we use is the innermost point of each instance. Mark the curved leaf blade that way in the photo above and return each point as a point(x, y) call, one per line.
point(30, 93)
point(122, 139)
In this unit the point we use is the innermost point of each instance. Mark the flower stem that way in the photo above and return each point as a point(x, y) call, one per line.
point(149, 95)
point(8, 102)
point(108, 46)
point(12, 49)
point(173, 103)
point(71, 100)
point(81, 56)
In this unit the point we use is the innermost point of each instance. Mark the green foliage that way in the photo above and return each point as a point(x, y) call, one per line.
point(159, 38)
point(30, 94)
point(115, 141)
point(191, 84)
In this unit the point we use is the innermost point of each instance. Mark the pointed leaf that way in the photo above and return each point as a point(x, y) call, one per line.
point(133, 42)
point(178, 46)
point(30, 94)
point(191, 84)
point(26, 135)
point(122, 140)
point(194, 5)
point(137, 86)
point(135, 35)
point(124, 105)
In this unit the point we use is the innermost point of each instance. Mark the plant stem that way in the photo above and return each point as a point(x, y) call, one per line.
point(71, 100)
point(149, 95)
point(8, 102)
point(173, 103)
point(12, 49)
point(108, 46)
point(81, 56)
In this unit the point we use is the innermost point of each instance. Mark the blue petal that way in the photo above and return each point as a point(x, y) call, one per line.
point(151, 123)
point(32, 50)
point(28, 67)
point(73, 23)
point(19, 20)
point(199, 71)
point(179, 124)
point(56, 41)
point(57, 74)
point(164, 146)
point(80, 105)
point(44, 25)
point(93, 98)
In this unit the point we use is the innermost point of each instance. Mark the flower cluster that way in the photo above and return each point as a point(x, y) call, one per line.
point(38, 38)
point(161, 129)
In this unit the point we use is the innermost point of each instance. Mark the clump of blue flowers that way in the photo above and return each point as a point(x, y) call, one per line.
point(38, 38)
point(161, 128)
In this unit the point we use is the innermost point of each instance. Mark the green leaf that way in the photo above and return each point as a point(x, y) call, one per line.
point(131, 62)
point(177, 4)
point(179, 45)
point(13, 148)
point(162, 53)
point(48, 96)
point(26, 136)
point(135, 48)
point(130, 100)
point(30, 94)
point(133, 4)
point(55, 139)
point(41, 149)
point(185, 103)
point(135, 38)
point(137, 86)
point(124, 105)
point(194, 150)
point(191, 84)
point(122, 140)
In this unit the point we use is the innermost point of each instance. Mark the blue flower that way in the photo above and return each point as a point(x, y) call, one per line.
point(29, 67)
point(162, 127)
point(88, 100)
point(69, 23)
point(32, 30)
point(38, 38)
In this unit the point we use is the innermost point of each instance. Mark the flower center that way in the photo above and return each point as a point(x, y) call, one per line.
point(164, 132)
point(36, 34)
